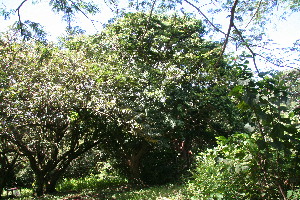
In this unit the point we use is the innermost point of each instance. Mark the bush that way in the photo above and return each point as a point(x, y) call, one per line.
point(238, 169)
point(227, 171)
point(293, 194)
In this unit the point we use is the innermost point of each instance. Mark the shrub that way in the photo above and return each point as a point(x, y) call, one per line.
point(228, 171)
point(238, 169)
point(293, 194)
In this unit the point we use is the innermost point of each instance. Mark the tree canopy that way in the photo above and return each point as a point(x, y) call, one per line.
point(128, 92)
point(149, 92)
point(245, 28)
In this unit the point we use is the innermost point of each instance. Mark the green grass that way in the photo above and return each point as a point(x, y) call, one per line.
point(90, 183)
point(93, 187)
point(165, 192)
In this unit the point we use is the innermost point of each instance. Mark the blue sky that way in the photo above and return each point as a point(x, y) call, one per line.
point(283, 32)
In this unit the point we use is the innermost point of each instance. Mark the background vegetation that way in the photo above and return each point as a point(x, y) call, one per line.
point(146, 109)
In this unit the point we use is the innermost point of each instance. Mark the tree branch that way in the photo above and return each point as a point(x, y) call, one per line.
point(272, 62)
point(19, 7)
point(19, 16)
point(92, 21)
point(210, 22)
point(231, 24)
point(248, 47)
point(149, 18)
point(259, 4)
point(148, 22)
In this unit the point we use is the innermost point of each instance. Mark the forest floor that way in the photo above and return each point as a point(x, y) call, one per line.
point(120, 192)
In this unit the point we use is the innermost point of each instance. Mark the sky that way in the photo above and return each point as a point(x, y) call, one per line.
point(52, 22)
point(286, 32)
point(283, 32)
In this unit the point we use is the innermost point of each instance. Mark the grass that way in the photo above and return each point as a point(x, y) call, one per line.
point(99, 187)
point(165, 192)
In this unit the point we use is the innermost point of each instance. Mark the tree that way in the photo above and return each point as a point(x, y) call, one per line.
point(165, 86)
point(69, 8)
point(8, 155)
point(51, 108)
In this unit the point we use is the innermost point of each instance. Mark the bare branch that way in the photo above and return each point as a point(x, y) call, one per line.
point(254, 14)
point(248, 47)
point(19, 7)
point(227, 35)
point(19, 16)
point(274, 63)
point(255, 54)
point(115, 9)
point(92, 21)
point(210, 22)
point(231, 24)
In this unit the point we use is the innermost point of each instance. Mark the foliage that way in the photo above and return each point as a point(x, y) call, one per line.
point(91, 182)
point(161, 167)
point(276, 119)
point(293, 194)
point(234, 169)
point(148, 92)
point(228, 171)
point(170, 191)
point(50, 102)
point(90, 162)
point(160, 74)
point(24, 175)
point(263, 163)
point(129, 92)
point(31, 30)
point(246, 31)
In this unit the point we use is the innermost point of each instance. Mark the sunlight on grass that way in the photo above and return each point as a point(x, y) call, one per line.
point(169, 192)
point(92, 182)
point(108, 187)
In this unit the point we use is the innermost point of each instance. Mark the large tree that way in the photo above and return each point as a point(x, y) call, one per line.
point(166, 85)
point(51, 108)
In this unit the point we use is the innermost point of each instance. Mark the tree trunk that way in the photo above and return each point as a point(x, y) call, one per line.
point(134, 162)
point(1, 186)
point(186, 152)
point(50, 187)
point(40, 184)
point(3, 180)
point(6, 169)
point(134, 167)
point(51, 183)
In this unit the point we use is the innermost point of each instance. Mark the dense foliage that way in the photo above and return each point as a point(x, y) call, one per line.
point(264, 163)
point(161, 74)
point(47, 100)
point(146, 101)
point(132, 93)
